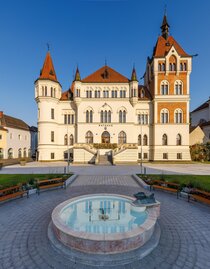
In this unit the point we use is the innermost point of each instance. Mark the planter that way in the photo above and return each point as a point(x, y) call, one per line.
point(22, 163)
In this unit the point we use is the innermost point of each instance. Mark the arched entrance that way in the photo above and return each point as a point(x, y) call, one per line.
point(105, 137)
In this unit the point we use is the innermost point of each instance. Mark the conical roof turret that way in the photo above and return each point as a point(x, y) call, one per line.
point(48, 71)
point(133, 75)
point(77, 75)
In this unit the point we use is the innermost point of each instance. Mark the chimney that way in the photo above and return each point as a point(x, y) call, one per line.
point(1, 114)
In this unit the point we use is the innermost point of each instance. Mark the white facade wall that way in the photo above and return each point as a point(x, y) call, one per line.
point(18, 139)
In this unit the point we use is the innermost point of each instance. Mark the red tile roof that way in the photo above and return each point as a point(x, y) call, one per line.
point(164, 45)
point(8, 121)
point(105, 75)
point(203, 106)
point(48, 71)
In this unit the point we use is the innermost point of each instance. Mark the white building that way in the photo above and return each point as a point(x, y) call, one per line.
point(201, 116)
point(107, 113)
point(17, 142)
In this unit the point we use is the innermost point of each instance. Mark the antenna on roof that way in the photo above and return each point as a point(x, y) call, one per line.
point(165, 9)
point(48, 47)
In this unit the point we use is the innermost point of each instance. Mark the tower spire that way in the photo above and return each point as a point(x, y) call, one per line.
point(77, 75)
point(133, 75)
point(165, 26)
point(48, 71)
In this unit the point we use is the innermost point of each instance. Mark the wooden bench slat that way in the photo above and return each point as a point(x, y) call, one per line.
point(200, 198)
point(51, 185)
point(164, 188)
point(12, 195)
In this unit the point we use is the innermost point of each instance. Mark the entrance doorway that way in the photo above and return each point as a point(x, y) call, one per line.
point(105, 137)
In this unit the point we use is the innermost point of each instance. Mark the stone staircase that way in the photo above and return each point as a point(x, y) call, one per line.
point(105, 160)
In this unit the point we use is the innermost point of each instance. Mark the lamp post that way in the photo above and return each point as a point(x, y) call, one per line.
point(141, 140)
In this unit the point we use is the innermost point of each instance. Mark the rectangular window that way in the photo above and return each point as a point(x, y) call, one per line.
point(165, 156)
point(52, 136)
point(69, 119)
point(52, 113)
point(179, 156)
point(139, 155)
point(0, 136)
point(145, 156)
point(52, 155)
point(65, 119)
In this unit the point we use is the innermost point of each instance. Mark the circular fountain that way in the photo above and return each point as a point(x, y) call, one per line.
point(104, 224)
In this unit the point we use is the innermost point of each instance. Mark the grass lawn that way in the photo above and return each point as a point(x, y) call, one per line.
point(12, 180)
point(198, 181)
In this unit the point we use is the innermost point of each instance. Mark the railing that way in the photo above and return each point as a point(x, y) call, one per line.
point(88, 147)
point(125, 146)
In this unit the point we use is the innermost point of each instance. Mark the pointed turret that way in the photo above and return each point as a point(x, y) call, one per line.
point(165, 27)
point(133, 75)
point(48, 71)
point(77, 75)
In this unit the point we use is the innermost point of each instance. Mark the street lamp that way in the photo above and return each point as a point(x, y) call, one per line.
point(141, 140)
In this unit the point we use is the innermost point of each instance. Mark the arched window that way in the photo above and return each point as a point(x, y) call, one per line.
point(139, 140)
point(105, 116)
point(45, 93)
point(91, 116)
point(102, 116)
point(164, 115)
point(71, 140)
point(105, 137)
point(178, 118)
point(65, 139)
point(10, 153)
point(54, 92)
point(172, 65)
point(142, 93)
point(178, 140)
point(51, 91)
point(42, 90)
point(181, 66)
point(109, 116)
point(164, 87)
point(19, 153)
point(163, 67)
point(87, 116)
point(1, 153)
point(24, 152)
point(124, 116)
point(178, 87)
point(159, 67)
point(164, 140)
point(145, 140)
point(89, 137)
point(122, 138)
point(120, 116)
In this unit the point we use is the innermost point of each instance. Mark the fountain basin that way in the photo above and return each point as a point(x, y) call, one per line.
point(104, 223)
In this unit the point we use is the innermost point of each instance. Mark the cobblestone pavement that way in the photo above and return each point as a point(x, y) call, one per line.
point(105, 180)
point(151, 168)
point(184, 242)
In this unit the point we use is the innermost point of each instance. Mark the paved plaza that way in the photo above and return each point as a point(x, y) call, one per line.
point(150, 168)
point(185, 229)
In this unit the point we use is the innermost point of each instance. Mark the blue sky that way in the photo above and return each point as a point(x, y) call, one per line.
point(85, 32)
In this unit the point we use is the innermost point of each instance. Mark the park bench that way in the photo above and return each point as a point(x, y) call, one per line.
point(200, 196)
point(11, 192)
point(50, 183)
point(165, 186)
